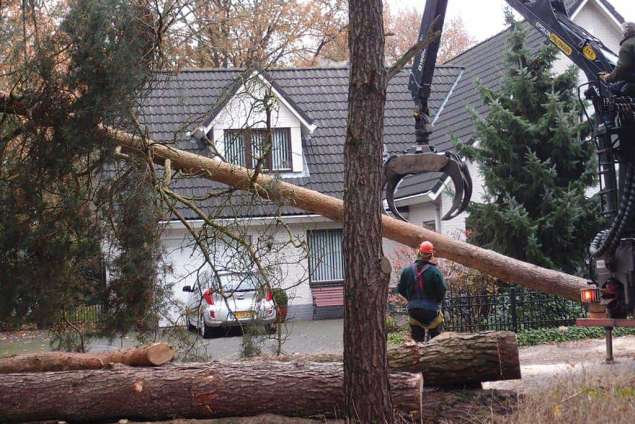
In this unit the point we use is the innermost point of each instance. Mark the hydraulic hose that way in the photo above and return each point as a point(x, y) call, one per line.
point(607, 240)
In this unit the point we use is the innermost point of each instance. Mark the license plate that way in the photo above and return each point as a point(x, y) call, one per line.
point(244, 314)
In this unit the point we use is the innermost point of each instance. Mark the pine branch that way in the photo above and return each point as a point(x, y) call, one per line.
point(412, 52)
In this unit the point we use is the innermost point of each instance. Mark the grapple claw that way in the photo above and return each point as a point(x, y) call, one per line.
point(398, 167)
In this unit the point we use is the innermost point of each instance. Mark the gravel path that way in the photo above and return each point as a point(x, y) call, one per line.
point(540, 365)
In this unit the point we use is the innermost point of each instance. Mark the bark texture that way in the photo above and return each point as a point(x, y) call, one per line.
point(366, 276)
point(449, 360)
point(145, 356)
point(460, 359)
point(188, 391)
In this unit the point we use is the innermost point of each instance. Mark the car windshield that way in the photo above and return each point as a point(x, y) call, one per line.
point(236, 283)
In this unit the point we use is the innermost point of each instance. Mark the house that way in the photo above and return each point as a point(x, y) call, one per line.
point(307, 112)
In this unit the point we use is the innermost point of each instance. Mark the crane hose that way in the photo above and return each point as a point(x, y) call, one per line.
point(606, 241)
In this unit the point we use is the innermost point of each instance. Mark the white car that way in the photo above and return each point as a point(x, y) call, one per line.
point(235, 299)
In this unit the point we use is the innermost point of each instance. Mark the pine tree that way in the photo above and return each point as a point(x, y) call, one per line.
point(535, 163)
point(76, 65)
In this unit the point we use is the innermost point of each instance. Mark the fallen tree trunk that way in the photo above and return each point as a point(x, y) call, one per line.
point(487, 261)
point(144, 356)
point(457, 359)
point(189, 391)
point(448, 360)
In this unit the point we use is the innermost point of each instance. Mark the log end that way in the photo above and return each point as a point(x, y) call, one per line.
point(508, 348)
point(160, 353)
point(409, 405)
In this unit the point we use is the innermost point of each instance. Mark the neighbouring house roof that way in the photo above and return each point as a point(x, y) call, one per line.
point(178, 103)
point(484, 63)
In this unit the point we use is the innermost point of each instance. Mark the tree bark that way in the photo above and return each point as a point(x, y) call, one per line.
point(449, 360)
point(144, 356)
point(460, 359)
point(188, 391)
point(492, 263)
point(366, 274)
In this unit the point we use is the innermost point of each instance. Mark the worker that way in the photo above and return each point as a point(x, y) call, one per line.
point(623, 76)
point(422, 284)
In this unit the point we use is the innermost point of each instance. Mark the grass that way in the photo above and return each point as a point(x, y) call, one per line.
point(23, 342)
point(603, 395)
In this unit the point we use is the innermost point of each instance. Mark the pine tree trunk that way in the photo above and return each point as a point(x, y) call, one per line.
point(366, 273)
point(449, 360)
point(460, 359)
point(144, 356)
point(188, 391)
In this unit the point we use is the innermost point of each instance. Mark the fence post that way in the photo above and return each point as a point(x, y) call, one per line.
point(512, 294)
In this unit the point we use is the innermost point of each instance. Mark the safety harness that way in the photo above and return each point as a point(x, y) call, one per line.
point(420, 284)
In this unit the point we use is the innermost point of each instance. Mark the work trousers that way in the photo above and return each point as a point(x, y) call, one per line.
point(420, 320)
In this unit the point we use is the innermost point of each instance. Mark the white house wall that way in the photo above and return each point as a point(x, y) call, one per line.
point(184, 261)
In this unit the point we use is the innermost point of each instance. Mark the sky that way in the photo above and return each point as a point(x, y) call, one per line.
point(484, 18)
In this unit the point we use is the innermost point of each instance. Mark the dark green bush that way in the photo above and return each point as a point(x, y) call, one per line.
point(566, 334)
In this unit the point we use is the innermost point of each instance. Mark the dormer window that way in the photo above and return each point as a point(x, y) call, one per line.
point(245, 147)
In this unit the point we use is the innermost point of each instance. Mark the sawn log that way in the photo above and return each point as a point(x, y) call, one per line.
point(151, 355)
point(487, 261)
point(188, 391)
point(448, 360)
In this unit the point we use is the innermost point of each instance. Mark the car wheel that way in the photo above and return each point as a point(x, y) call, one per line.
point(190, 326)
point(203, 329)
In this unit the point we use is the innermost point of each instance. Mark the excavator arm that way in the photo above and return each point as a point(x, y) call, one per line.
point(422, 158)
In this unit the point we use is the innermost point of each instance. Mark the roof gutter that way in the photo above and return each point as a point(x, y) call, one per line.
point(255, 221)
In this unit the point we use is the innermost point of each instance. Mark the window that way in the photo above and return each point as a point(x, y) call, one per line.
point(326, 262)
point(248, 146)
point(430, 225)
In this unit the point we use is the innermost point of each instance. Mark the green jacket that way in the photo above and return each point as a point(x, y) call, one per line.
point(625, 69)
point(433, 291)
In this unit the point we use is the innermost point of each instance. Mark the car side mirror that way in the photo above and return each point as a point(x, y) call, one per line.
point(187, 289)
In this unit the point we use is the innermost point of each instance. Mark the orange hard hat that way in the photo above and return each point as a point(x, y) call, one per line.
point(426, 248)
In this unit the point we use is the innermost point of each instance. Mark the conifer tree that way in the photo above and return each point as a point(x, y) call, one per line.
point(535, 163)
point(75, 65)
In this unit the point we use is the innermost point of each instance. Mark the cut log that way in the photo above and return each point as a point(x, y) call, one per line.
point(453, 359)
point(271, 188)
point(152, 355)
point(448, 360)
point(188, 391)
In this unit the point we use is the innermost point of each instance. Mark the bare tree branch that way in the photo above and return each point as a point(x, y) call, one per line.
point(411, 53)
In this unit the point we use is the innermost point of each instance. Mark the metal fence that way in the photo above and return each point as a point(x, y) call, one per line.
point(512, 310)
point(87, 314)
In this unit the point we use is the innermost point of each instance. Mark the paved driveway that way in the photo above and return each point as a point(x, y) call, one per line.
point(299, 337)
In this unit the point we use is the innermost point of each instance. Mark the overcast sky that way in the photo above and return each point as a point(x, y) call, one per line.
point(484, 18)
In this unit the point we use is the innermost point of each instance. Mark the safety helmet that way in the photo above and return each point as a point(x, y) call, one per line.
point(426, 248)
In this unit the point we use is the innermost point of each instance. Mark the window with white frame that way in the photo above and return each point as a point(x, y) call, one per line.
point(248, 147)
point(326, 260)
